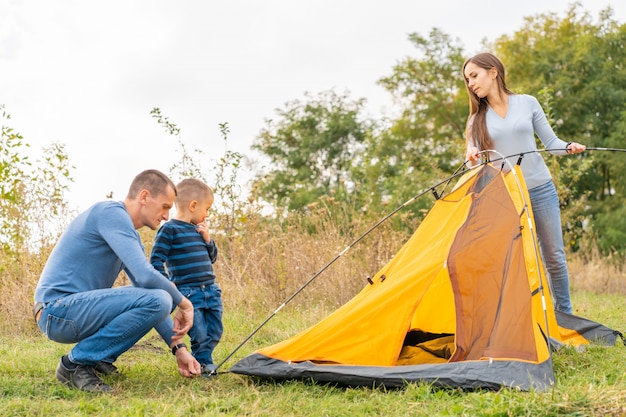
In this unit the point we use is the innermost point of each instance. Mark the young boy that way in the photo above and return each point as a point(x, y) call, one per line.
point(185, 247)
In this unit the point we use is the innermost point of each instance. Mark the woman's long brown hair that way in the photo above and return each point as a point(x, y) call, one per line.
point(476, 126)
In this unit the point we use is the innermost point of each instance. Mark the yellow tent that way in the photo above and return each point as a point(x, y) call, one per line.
point(465, 302)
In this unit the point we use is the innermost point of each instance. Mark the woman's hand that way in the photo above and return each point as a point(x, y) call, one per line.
point(472, 154)
point(573, 148)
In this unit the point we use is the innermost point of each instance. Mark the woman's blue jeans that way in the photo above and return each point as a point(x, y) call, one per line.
point(104, 323)
point(547, 213)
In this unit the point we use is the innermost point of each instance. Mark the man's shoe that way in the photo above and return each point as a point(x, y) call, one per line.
point(105, 368)
point(83, 377)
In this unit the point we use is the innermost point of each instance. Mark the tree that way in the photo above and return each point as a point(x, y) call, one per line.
point(426, 142)
point(229, 207)
point(33, 208)
point(580, 66)
point(12, 172)
point(311, 147)
point(189, 165)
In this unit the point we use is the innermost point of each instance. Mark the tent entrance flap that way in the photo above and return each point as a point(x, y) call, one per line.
point(489, 278)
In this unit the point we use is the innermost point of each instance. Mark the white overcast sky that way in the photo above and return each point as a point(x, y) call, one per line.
point(87, 73)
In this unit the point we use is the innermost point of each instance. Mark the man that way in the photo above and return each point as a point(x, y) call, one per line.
point(75, 301)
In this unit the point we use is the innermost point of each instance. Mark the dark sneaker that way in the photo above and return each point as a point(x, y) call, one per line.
point(83, 377)
point(105, 368)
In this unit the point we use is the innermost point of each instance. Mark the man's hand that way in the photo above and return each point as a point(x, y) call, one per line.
point(188, 366)
point(183, 319)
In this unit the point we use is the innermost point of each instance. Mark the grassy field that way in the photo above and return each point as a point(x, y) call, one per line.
point(589, 383)
point(257, 272)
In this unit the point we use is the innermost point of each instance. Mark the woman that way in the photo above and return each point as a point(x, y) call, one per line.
point(505, 122)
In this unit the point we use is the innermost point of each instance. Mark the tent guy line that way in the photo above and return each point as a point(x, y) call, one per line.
point(457, 173)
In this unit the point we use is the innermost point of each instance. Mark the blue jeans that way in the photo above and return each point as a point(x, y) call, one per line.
point(545, 204)
point(104, 323)
point(207, 327)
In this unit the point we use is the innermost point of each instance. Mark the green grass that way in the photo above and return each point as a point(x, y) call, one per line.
point(591, 382)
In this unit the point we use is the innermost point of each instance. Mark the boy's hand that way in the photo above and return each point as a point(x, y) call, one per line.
point(203, 229)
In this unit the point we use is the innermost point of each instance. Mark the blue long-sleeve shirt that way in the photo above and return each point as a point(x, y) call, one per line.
point(515, 133)
point(96, 246)
point(188, 258)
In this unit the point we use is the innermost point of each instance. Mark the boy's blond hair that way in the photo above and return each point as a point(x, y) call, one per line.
point(191, 189)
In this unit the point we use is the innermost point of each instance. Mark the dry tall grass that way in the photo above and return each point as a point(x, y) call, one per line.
point(18, 279)
point(258, 269)
point(267, 262)
point(596, 273)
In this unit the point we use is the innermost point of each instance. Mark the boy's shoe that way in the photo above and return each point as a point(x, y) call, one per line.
point(208, 370)
point(82, 377)
point(106, 368)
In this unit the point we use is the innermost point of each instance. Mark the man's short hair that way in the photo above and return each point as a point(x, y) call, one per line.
point(152, 180)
